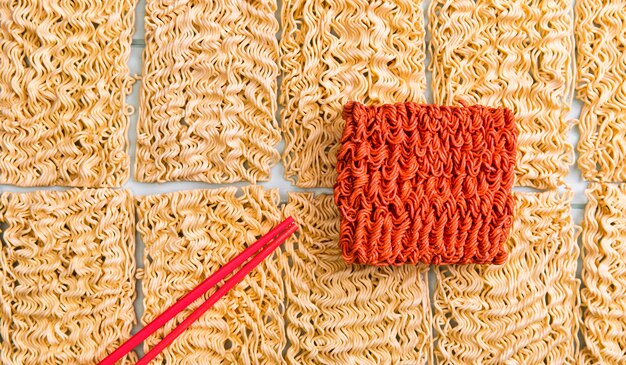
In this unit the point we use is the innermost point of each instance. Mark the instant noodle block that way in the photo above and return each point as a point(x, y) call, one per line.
point(67, 276)
point(334, 52)
point(425, 183)
point(513, 54)
point(188, 236)
point(208, 93)
point(601, 40)
point(349, 314)
point(63, 83)
point(523, 312)
point(604, 275)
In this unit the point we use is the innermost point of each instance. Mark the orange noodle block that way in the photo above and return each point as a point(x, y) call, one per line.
point(425, 183)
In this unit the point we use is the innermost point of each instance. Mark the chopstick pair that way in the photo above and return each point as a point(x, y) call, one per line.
point(264, 246)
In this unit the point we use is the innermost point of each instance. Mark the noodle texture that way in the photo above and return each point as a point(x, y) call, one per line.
point(336, 51)
point(349, 314)
point(604, 275)
point(601, 45)
point(188, 236)
point(208, 94)
point(424, 183)
point(516, 54)
point(523, 312)
point(63, 83)
point(67, 276)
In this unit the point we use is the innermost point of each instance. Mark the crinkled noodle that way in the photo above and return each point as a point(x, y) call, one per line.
point(523, 312)
point(604, 275)
point(601, 46)
point(424, 183)
point(516, 54)
point(349, 314)
point(67, 276)
point(336, 51)
point(209, 92)
point(188, 236)
point(63, 83)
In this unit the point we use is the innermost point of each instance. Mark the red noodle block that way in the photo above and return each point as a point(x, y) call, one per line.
point(425, 183)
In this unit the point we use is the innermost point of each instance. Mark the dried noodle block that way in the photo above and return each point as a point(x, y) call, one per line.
point(601, 44)
point(425, 183)
point(63, 83)
point(209, 92)
point(512, 54)
point(331, 53)
point(349, 314)
point(67, 276)
point(604, 275)
point(188, 236)
point(523, 312)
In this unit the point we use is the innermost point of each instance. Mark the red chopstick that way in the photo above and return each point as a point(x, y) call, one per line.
point(267, 244)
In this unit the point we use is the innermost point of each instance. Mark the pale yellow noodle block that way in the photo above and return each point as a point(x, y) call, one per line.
point(601, 45)
point(525, 311)
point(516, 54)
point(188, 236)
point(333, 52)
point(67, 276)
point(604, 275)
point(208, 94)
point(63, 83)
point(349, 314)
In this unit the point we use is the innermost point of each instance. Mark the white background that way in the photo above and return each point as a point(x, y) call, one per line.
point(574, 179)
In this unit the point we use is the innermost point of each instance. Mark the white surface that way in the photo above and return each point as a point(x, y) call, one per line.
point(574, 179)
